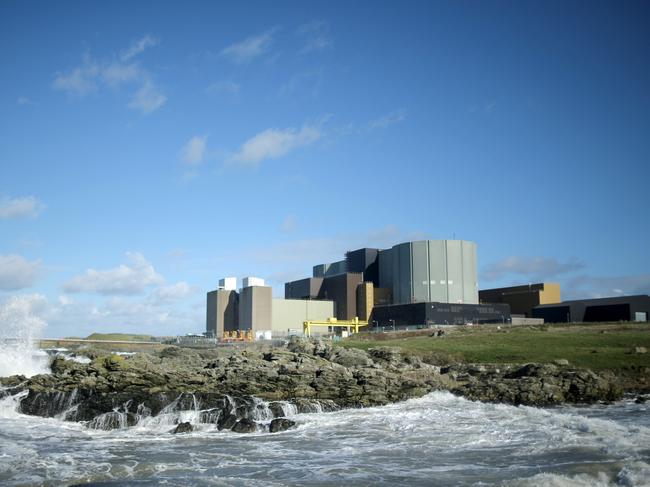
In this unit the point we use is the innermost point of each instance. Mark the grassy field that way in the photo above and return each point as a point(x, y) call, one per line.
point(597, 346)
point(110, 338)
point(128, 337)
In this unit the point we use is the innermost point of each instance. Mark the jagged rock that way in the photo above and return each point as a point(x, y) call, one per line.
point(350, 357)
point(300, 345)
point(183, 428)
point(281, 424)
point(245, 426)
point(386, 355)
point(226, 422)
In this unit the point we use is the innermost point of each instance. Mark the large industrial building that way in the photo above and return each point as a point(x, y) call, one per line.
point(408, 284)
point(522, 299)
point(621, 308)
point(254, 309)
point(420, 283)
point(404, 285)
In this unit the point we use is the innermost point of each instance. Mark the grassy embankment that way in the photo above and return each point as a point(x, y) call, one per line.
point(595, 346)
point(110, 338)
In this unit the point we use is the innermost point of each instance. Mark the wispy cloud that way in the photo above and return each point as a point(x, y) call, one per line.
point(138, 47)
point(148, 98)
point(385, 121)
point(193, 151)
point(586, 286)
point(530, 268)
point(315, 36)
point(274, 143)
point(224, 87)
point(21, 207)
point(307, 81)
point(487, 107)
point(125, 279)
point(18, 273)
point(289, 224)
point(81, 80)
point(23, 100)
point(92, 74)
point(250, 48)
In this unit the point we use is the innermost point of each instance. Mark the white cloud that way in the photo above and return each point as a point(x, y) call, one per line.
point(289, 224)
point(532, 269)
point(224, 87)
point(22, 207)
point(92, 74)
point(124, 279)
point(250, 48)
point(117, 73)
point(172, 293)
point(148, 98)
point(23, 100)
point(386, 121)
point(315, 36)
point(586, 286)
point(274, 143)
point(193, 152)
point(18, 273)
point(138, 47)
point(80, 81)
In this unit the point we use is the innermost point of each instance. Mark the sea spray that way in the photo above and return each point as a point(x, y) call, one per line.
point(19, 330)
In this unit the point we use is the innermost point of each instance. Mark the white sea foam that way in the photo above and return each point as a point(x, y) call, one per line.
point(19, 329)
point(439, 439)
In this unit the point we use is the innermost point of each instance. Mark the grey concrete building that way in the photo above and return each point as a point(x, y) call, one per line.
point(255, 308)
point(428, 314)
point(432, 271)
point(222, 312)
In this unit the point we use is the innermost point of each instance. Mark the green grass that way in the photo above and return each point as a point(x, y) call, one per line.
point(597, 347)
point(127, 337)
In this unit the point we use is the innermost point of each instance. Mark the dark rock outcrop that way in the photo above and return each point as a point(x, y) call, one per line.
point(183, 428)
point(245, 426)
point(226, 387)
point(281, 424)
point(532, 384)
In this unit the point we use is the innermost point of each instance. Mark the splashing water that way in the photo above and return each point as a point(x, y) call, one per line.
point(19, 329)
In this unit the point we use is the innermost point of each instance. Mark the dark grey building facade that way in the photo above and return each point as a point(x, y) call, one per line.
point(432, 313)
point(622, 308)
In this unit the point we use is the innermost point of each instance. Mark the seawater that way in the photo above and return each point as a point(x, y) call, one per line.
point(435, 440)
point(19, 330)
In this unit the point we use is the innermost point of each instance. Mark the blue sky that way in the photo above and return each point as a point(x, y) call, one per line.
point(150, 148)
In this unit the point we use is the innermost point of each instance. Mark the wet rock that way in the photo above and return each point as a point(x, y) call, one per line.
point(226, 422)
point(183, 428)
point(245, 426)
point(281, 424)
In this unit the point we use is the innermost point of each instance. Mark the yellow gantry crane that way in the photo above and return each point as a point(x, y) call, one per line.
point(349, 324)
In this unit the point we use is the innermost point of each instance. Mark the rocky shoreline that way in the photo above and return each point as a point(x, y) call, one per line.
point(249, 390)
